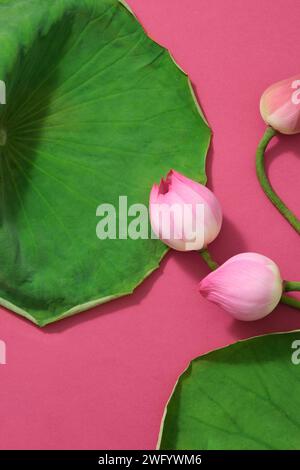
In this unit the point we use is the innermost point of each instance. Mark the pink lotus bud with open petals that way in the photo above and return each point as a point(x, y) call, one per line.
point(184, 214)
point(248, 286)
point(280, 106)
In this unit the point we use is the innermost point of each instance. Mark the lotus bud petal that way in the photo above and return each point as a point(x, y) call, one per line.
point(248, 286)
point(184, 214)
point(280, 106)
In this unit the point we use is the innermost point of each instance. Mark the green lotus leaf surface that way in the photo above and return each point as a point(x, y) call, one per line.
point(94, 110)
point(243, 397)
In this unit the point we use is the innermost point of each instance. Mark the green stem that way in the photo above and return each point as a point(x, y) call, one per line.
point(265, 184)
point(290, 301)
point(291, 286)
point(206, 256)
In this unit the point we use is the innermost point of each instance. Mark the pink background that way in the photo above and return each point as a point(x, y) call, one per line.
point(101, 379)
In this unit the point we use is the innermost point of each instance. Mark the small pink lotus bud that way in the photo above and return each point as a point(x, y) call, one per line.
point(248, 286)
point(184, 214)
point(280, 106)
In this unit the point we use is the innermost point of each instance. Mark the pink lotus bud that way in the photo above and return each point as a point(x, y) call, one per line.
point(248, 286)
point(280, 106)
point(184, 214)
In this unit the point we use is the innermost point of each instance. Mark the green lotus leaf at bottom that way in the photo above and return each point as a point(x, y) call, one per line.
point(243, 397)
point(95, 110)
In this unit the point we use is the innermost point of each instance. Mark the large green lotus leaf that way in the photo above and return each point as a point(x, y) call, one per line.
point(245, 396)
point(95, 109)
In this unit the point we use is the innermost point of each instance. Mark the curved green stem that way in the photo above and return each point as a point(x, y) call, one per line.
point(265, 184)
point(290, 301)
point(206, 256)
point(291, 286)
